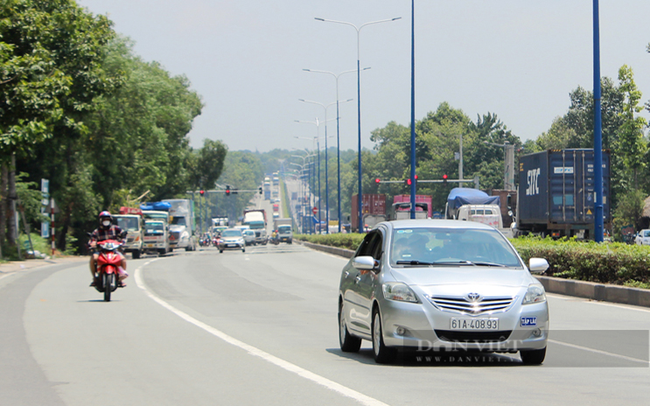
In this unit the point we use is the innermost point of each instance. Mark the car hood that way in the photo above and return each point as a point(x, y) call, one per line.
point(465, 276)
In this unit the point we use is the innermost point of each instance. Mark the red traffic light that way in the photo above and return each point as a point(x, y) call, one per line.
point(408, 182)
point(377, 180)
point(444, 178)
point(227, 190)
point(202, 192)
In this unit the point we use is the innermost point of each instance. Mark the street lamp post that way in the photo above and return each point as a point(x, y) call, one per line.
point(327, 193)
point(308, 164)
point(301, 191)
point(358, 30)
point(338, 137)
point(317, 144)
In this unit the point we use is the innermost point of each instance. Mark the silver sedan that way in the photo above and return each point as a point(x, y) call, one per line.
point(442, 285)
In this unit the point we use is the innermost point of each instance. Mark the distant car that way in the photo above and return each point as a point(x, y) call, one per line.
point(231, 239)
point(249, 237)
point(642, 237)
point(276, 215)
point(442, 285)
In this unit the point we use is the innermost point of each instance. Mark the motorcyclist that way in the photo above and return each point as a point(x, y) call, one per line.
point(107, 231)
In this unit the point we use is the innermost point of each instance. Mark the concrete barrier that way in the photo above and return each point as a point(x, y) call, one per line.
point(569, 287)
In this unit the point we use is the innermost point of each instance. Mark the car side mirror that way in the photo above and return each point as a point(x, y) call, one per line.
point(364, 263)
point(537, 265)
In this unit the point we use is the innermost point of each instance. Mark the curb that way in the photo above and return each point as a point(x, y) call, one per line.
point(16, 266)
point(569, 287)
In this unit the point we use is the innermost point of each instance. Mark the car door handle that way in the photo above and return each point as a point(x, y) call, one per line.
point(357, 279)
point(346, 275)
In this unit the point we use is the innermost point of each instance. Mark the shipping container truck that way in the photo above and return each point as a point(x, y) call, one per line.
point(556, 194)
point(372, 205)
point(402, 207)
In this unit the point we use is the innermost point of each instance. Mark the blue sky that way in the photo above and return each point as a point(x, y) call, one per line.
point(517, 59)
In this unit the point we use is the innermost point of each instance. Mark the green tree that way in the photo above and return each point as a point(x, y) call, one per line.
point(51, 55)
point(207, 165)
point(631, 145)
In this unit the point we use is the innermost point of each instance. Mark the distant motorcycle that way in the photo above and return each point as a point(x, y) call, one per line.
point(106, 275)
point(205, 241)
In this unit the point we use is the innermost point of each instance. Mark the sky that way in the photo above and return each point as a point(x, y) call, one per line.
point(518, 59)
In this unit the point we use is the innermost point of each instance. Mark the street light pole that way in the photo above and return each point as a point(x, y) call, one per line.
point(327, 193)
point(338, 138)
point(358, 30)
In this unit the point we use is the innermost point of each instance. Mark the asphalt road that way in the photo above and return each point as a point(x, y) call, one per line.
point(259, 328)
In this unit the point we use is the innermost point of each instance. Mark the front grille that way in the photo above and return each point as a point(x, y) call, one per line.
point(473, 336)
point(464, 306)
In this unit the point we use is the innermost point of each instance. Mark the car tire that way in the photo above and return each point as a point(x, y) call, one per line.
point(243, 250)
point(533, 357)
point(382, 353)
point(347, 342)
point(220, 251)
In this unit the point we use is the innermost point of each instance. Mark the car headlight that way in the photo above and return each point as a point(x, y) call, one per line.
point(534, 294)
point(398, 291)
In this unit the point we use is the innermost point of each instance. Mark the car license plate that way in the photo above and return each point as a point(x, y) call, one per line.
point(474, 324)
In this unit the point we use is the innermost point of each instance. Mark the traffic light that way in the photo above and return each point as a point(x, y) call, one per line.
point(202, 192)
point(227, 190)
point(260, 189)
point(408, 181)
point(444, 178)
point(377, 181)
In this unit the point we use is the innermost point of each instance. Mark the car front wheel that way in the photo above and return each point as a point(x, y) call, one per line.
point(383, 354)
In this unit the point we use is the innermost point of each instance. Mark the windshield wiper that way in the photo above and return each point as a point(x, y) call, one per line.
point(413, 262)
point(486, 264)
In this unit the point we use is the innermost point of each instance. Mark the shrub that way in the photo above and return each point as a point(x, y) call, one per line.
point(615, 263)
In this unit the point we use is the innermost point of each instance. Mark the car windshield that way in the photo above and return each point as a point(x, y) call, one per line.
point(231, 233)
point(249, 233)
point(646, 233)
point(451, 246)
point(284, 229)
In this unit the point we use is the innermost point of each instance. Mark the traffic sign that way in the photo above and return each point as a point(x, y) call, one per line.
point(314, 210)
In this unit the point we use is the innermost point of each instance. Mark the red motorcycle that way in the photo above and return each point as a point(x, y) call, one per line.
point(108, 262)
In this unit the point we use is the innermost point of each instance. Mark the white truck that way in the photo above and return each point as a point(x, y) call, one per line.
point(131, 220)
point(182, 228)
point(255, 219)
point(156, 237)
point(474, 205)
point(284, 227)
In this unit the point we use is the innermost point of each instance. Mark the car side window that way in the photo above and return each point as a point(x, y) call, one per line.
point(376, 246)
point(371, 245)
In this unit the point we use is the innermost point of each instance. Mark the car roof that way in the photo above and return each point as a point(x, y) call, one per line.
point(435, 223)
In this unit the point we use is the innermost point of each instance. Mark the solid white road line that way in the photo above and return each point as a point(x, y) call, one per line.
point(320, 380)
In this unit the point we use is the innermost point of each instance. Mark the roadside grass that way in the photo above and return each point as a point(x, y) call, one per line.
point(613, 263)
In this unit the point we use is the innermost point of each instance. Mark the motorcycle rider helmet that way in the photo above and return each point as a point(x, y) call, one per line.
point(105, 219)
